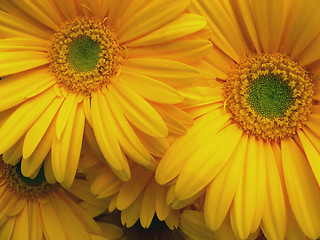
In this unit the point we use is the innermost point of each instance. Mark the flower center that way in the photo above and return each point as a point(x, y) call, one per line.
point(23, 186)
point(269, 96)
point(84, 55)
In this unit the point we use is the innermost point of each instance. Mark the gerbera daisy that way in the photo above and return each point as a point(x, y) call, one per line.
point(35, 209)
point(157, 230)
point(120, 66)
point(254, 148)
point(141, 198)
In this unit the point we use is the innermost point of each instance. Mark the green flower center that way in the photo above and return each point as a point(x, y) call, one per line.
point(270, 96)
point(84, 54)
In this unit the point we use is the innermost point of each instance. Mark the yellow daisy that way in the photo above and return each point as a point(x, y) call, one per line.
point(156, 231)
point(120, 66)
point(34, 209)
point(254, 147)
point(141, 198)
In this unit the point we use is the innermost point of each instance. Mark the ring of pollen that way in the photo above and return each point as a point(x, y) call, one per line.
point(84, 55)
point(25, 187)
point(269, 96)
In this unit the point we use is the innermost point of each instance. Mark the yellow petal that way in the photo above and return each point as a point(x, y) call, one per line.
point(67, 8)
point(175, 74)
point(312, 153)
point(223, 23)
point(51, 222)
point(186, 51)
point(180, 151)
point(61, 147)
point(42, 11)
point(148, 208)
point(24, 43)
point(48, 171)
point(21, 226)
point(6, 229)
point(184, 25)
point(13, 155)
point(128, 139)
point(31, 164)
point(303, 27)
point(103, 124)
point(174, 118)
point(225, 183)
point(118, 10)
point(150, 18)
point(206, 162)
point(156, 146)
point(13, 129)
point(75, 147)
point(192, 223)
point(131, 190)
point(18, 61)
point(242, 211)
point(131, 214)
point(11, 26)
point(138, 111)
point(162, 208)
point(37, 131)
point(150, 88)
point(15, 89)
point(71, 221)
point(274, 215)
point(64, 113)
point(303, 190)
point(35, 229)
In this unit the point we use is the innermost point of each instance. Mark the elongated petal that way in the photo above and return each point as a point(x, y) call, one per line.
point(225, 183)
point(303, 190)
point(27, 43)
point(16, 88)
point(173, 73)
point(186, 51)
point(222, 21)
point(11, 26)
point(131, 190)
point(180, 151)
point(274, 215)
point(18, 61)
point(13, 129)
point(104, 130)
point(37, 131)
point(148, 207)
point(128, 139)
point(138, 111)
point(184, 25)
point(150, 18)
point(242, 212)
point(206, 162)
point(61, 147)
point(150, 88)
point(75, 147)
point(51, 223)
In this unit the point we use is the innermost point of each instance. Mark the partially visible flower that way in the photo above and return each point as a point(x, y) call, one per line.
point(35, 209)
point(254, 148)
point(120, 66)
point(141, 198)
point(156, 231)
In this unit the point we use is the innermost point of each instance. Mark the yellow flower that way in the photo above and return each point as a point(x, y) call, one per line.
point(35, 209)
point(119, 66)
point(254, 148)
point(141, 198)
point(157, 229)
